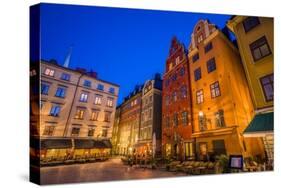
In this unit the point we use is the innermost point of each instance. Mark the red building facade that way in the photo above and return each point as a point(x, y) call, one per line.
point(176, 106)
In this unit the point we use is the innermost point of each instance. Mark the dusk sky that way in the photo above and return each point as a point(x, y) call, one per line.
point(124, 46)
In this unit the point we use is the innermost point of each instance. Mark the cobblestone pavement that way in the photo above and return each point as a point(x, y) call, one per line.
point(110, 170)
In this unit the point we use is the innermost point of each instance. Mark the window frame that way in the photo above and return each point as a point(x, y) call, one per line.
point(208, 47)
point(199, 76)
point(218, 87)
point(65, 76)
point(211, 63)
point(271, 82)
point(249, 28)
point(201, 95)
point(195, 57)
point(254, 46)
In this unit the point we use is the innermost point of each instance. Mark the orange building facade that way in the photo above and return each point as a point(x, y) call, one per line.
point(221, 103)
point(176, 106)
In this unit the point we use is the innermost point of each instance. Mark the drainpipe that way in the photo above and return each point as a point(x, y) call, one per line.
point(72, 102)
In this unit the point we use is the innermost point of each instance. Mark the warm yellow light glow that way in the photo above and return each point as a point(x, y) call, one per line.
point(201, 113)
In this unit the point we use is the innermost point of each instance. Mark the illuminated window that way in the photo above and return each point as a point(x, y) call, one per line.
point(211, 65)
point(55, 110)
point(202, 121)
point(98, 99)
point(178, 60)
point(60, 92)
point(197, 74)
point(49, 130)
point(49, 72)
point(219, 116)
point(83, 97)
point(75, 131)
point(87, 83)
point(250, 23)
point(65, 76)
point(260, 48)
point(267, 86)
point(107, 116)
point(215, 90)
point(109, 102)
point(104, 133)
point(95, 115)
point(45, 89)
point(91, 132)
point(79, 114)
point(199, 96)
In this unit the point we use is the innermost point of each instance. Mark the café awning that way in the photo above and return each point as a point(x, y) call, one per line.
point(55, 143)
point(83, 144)
point(261, 125)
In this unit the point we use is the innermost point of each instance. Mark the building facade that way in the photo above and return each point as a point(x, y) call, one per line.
point(255, 41)
point(129, 124)
point(222, 107)
point(149, 141)
point(176, 105)
point(74, 105)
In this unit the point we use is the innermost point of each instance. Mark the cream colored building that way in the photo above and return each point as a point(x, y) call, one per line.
point(75, 103)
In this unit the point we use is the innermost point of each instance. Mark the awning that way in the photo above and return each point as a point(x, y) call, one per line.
point(261, 125)
point(55, 143)
point(83, 144)
point(102, 144)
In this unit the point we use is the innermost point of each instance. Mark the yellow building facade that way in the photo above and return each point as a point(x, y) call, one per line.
point(221, 102)
point(255, 41)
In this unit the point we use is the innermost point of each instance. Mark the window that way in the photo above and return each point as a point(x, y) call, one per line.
point(215, 90)
point(174, 77)
point(208, 47)
point(219, 147)
point(176, 119)
point(267, 86)
point(55, 110)
point(83, 97)
point(112, 90)
point(104, 133)
point(44, 89)
point(109, 102)
point(107, 116)
point(60, 92)
point(167, 100)
point(49, 130)
point(79, 114)
point(199, 38)
point(65, 76)
point(167, 121)
point(49, 72)
point(150, 113)
point(202, 121)
point(167, 82)
point(98, 99)
point(178, 60)
point(189, 150)
point(100, 87)
point(211, 65)
point(91, 132)
point(182, 71)
point(87, 83)
point(75, 131)
point(183, 92)
point(219, 116)
point(195, 57)
point(174, 96)
point(200, 96)
point(250, 23)
point(197, 74)
point(260, 48)
point(184, 118)
point(95, 115)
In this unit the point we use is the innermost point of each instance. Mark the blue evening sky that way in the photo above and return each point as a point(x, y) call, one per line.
point(125, 46)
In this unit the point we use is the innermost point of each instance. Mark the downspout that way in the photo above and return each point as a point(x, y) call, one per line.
point(68, 118)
